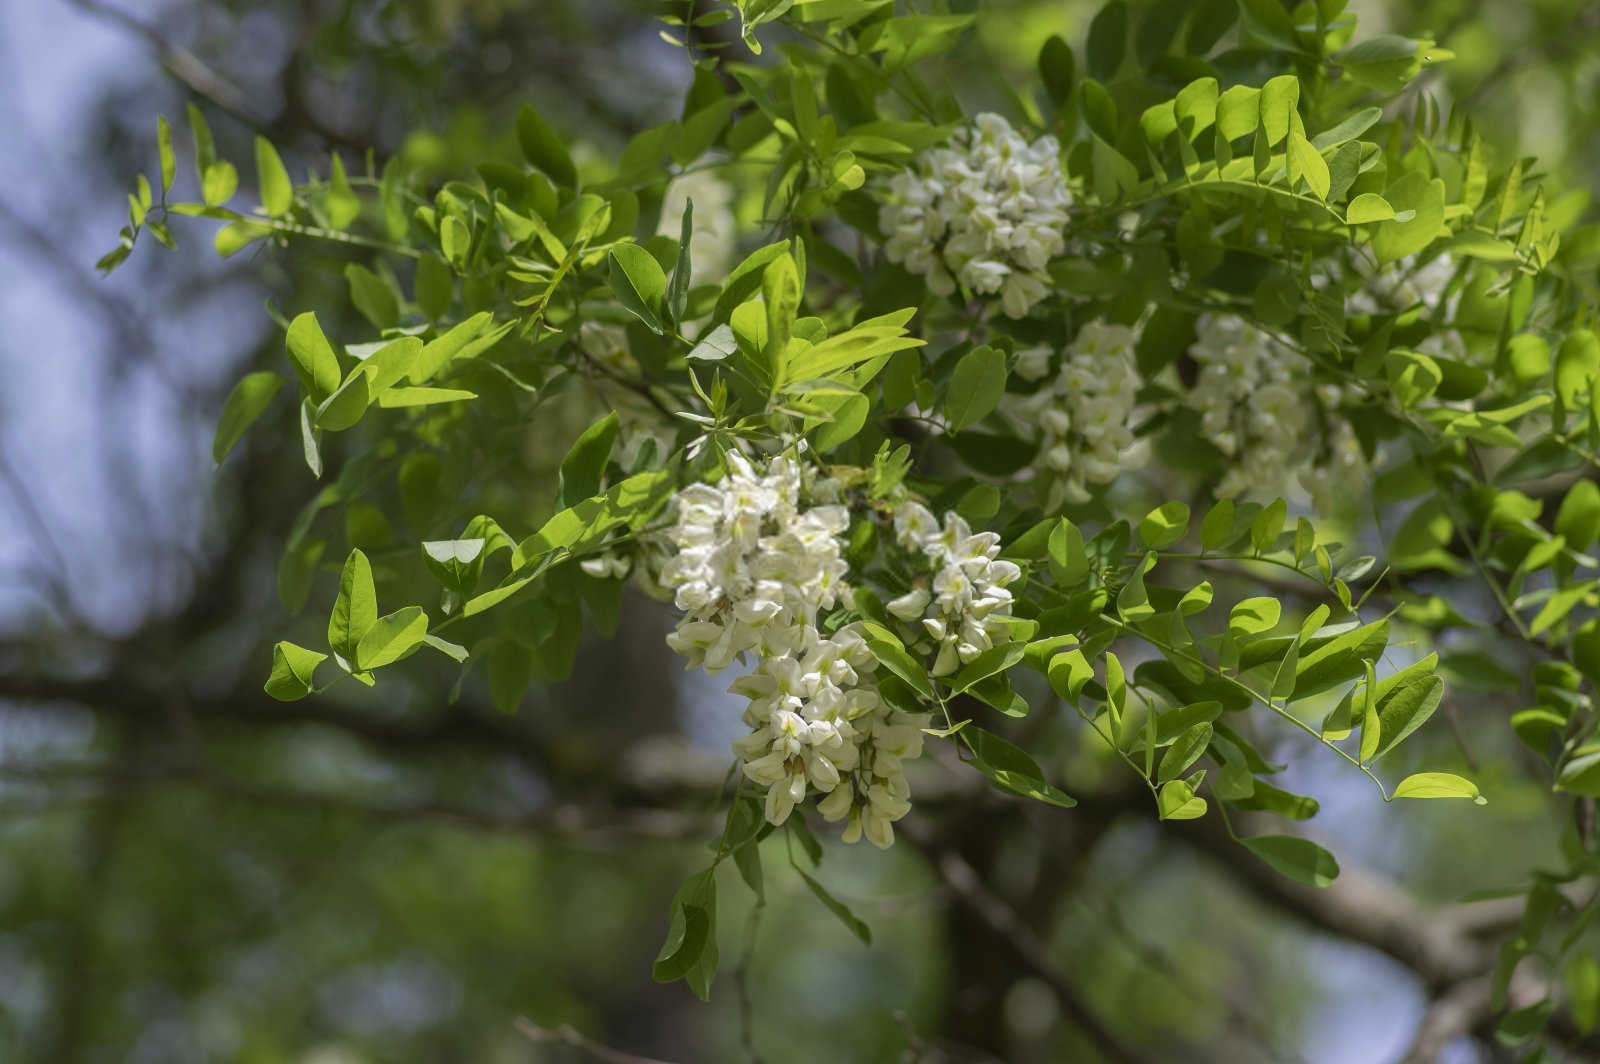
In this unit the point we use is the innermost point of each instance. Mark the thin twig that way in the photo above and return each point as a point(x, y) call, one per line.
point(568, 1036)
point(969, 888)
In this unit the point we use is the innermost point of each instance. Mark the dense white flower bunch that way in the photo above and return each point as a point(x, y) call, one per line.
point(961, 601)
point(986, 212)
point(752, 568)
point(752, 571)
point(1085, 414)
point(1278, 429)
point(1401, 284)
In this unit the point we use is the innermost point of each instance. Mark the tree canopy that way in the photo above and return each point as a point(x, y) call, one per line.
point(1132, 466)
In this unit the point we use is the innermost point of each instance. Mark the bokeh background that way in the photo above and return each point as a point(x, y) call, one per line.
point(190, 872)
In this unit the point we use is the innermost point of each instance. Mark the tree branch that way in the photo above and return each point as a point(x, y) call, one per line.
point(568, 1036)
point(969, 889)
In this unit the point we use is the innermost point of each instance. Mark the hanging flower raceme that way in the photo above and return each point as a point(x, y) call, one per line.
point(753, 569)
point(986, 213)
point(960, 600)
point(1085, 413)
point(1279, 430)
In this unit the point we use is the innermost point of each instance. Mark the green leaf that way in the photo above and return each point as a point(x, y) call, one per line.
point(691, 929)
point(1437, 785)
point(1581, 773)
point(1177, 801)
point(344, 206)
point(994, 660)
point(310, 437)
point(976, 386)
point(455, 241)
point(404, 398)
point(238, 236)
point(745, 279)
point(1069, 673)
point(1267, 798)
point(277, 191)
point(464, 341)
point(355, 611)
point(1216, 528)
point(1133, 600)
point(510, 666)
point(1184, 751)
point(1057, 69)
point(1164, 525)
point(585, 463)
point(856, 925)
point(244, 404)
point(219, 183)
point(374, 298)
point(346, 406)
point(1299, 859)
point(1582, 977)
point(1578, 519)
point(1108, 40)
point(1306, 162)
point(678, 292)
point(1371, 725)
point(169, 163)
point(542, 148)
point(296, 570)
point(1577, 363)
point(718, 344)
point(639, 283)
point(205, 150)
point(1367, 208)
point(391, 638)
point(293, 668)
point(1279, 98)
point(1010, 769)
point(1238, 111)
point(1348, 130)
point(1405, 702)
point(434, 286)
point(312, 357)
point(1268, 525)
point(1340, 659)
point(1252, 616)
point(455, 651)
point(1421, 201)
point(847, 419)
point(1069, 562)
point(892, 655)
point(781, 292)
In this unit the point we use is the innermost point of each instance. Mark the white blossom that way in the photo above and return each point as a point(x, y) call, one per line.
point(1085, 414)
point(960, 601)
point(986, 212)
point(753, 569)
point(1279, 430)
point(1402, 284)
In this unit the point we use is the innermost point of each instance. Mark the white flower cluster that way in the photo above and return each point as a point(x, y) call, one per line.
point(961, 602)
point(1401, 284)
point(1085, 413)
point(1278, 428)
point(987, 212)
point(753, 570)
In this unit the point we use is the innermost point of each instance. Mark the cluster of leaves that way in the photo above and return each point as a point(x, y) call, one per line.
point(1225, 158)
